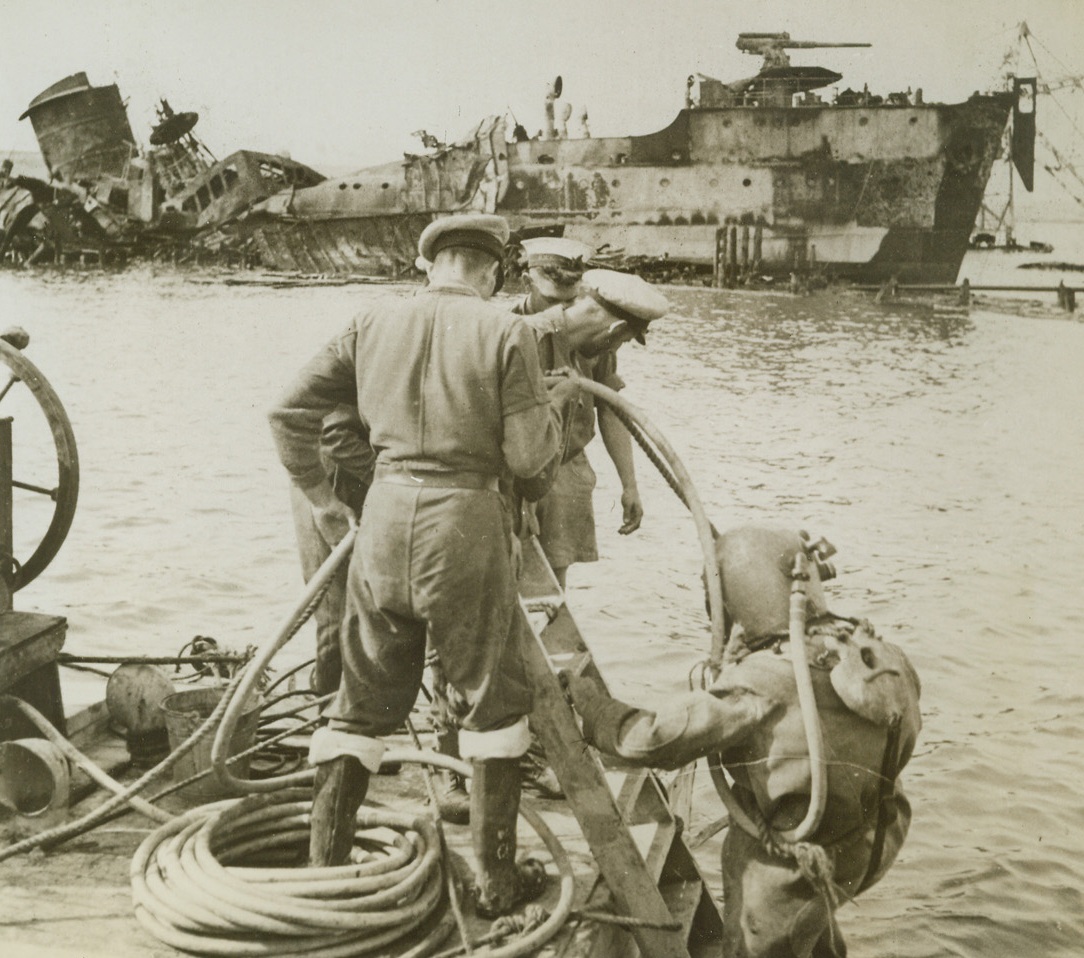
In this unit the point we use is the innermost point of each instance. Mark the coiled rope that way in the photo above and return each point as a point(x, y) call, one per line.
point(193, 889)
point(217, 881)
point(233, 706)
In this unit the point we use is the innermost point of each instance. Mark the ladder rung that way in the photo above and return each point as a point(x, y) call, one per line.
point(544, 603)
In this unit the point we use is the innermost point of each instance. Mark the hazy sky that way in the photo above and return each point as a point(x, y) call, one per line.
point(343, 83)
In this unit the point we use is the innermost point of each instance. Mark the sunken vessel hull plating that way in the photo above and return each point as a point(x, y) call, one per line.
point(866, 192)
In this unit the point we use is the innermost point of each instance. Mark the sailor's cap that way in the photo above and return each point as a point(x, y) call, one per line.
point(626, 297)
point(482, 231)
point(568, 254)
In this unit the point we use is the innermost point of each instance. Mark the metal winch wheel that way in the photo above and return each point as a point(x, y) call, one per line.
point(23, 373)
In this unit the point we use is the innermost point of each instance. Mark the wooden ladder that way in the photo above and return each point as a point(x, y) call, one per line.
point(623, 812)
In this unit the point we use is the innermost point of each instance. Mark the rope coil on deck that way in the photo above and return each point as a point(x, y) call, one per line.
point(218, 882)
point(192, 891)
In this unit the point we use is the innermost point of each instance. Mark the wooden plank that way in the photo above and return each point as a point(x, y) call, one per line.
point(619, 861)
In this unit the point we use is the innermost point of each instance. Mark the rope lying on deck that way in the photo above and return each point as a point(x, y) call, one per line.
point(192, 891)
point(217, 882)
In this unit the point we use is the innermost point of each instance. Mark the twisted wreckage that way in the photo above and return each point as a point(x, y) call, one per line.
point(867, 187)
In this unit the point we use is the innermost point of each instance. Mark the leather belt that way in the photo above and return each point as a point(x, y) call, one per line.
point(404, 475)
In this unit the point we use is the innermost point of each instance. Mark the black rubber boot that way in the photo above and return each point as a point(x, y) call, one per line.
point(453, 802)
point(501, 884)
point(337, 793)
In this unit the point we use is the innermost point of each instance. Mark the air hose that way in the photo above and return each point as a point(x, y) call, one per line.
point(666, 460)
point(233, 706)
point(686, 491)
point(217, 881)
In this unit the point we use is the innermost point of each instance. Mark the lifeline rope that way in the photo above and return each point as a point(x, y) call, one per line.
point(689, 496)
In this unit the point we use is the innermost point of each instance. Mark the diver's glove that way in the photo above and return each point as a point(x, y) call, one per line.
point(603, 716)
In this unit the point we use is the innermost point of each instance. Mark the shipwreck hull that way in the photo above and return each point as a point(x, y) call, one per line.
point(372, 245)
point(865, 192)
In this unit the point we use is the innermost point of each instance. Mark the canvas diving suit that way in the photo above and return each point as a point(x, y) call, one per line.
point(750, 718)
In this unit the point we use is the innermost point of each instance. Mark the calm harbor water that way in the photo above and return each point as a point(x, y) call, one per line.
point(940, 453)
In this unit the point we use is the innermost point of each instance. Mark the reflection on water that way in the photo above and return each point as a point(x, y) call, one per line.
point(938, 452)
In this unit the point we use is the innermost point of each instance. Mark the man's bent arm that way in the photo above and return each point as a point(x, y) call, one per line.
point(325, 382)
point(694, 724)
point(532, 438)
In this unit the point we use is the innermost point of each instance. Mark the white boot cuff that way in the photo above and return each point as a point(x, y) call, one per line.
point(511, 742)
point(329, 743)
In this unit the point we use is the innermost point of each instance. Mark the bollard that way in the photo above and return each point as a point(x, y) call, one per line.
point(732, 256)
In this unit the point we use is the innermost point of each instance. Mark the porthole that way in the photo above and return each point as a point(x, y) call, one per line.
point(863, 120)
point(615, 183)
point(384, 186)
point(664, 182)
point(747, 182)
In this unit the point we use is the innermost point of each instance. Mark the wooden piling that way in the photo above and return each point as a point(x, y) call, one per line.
point(732, 256)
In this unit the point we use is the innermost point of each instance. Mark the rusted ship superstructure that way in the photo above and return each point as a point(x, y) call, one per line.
point(860, 186)
point(868, 187)
point(109, 198)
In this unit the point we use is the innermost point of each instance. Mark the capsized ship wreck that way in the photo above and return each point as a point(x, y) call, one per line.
point(106, 196)
point(868, 187)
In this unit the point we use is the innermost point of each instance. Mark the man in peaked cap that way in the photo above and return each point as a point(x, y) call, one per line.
point(609, 309)
point(555, 266)
point(599, 311)
point(451, 390)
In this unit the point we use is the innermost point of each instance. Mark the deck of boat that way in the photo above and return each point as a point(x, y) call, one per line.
point(75, 899)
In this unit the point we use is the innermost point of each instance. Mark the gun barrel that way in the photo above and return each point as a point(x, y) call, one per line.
point(813, 44)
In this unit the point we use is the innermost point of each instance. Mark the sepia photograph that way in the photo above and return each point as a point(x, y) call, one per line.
point(570, 480)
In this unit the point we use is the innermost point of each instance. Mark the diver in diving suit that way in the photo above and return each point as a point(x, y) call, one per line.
point(780, 897)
